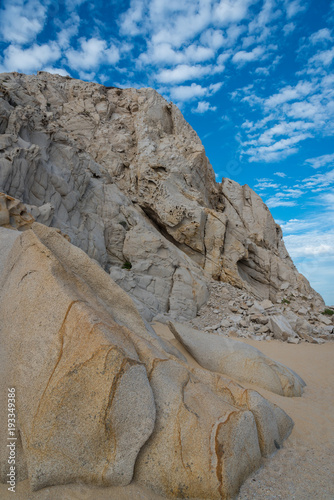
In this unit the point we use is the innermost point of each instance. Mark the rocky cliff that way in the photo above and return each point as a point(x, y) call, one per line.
point(131, 225)
point(127, 179)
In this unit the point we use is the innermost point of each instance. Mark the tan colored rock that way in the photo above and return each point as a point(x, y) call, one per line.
point(85, 405)
point(266, 304)
point(238, 360)
point(100, 398)
point(13, 213)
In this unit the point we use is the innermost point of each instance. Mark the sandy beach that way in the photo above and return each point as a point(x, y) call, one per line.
point(302, 470)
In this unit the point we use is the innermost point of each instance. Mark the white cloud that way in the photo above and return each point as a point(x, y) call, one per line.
point(21, 21)
point(198, 53)
point(167, 21)
point(182, 73)
point(92, 54)
point(34, 58)
point(284, 198)
point(291, 129)
point(264, 184)
point(228, 11)
point(164, 53)
point(321, 36)
point(321, 161)
point(71, 5)
point(318, 269)
point(69, 29)
point(294, 7)
point(213, 38)
point(289, 28)
point(323, 58)
point(289, 93)
point(131, 19)
point(327, 199)
point(267, 15)
point(243, 57)
point(310, 243)
point(161, 53)
point(280, 174)
point(291, 115)
point(203, 107)
point(277, 201)
point(56, 71)
point(214, 87)
point(277, 151)
point(320, 181)
point(187, 92)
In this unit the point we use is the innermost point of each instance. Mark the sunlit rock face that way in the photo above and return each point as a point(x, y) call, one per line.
point(101, 399)
point(127, 179)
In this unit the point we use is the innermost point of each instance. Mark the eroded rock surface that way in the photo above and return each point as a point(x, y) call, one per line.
point(127, 179)
point(101, 399)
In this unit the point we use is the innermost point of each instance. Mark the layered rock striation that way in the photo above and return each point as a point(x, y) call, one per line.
point(126, 178)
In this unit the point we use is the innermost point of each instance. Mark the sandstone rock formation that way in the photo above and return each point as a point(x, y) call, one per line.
point(126, 178)
point(100, 398)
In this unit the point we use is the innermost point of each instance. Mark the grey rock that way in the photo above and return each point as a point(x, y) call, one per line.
point(103, 166)
point(281, 328)
point(325, 320)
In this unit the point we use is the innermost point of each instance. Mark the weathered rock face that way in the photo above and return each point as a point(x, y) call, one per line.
point(126, 178)
point(100, 398)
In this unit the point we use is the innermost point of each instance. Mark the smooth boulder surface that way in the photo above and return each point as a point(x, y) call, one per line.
point(238, 360)
point(101, 399)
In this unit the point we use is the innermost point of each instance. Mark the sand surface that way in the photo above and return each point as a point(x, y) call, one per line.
point(302, 470)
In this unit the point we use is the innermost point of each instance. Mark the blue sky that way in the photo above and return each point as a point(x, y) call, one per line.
point(253, 77)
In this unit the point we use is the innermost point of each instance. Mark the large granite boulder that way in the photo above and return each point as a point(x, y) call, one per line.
point(100, 398)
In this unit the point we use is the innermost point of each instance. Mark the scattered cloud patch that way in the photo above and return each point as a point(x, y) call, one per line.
point(187, 92)
point(279, 201)
point(321, 161)
point(203, 107)
point(280, 174)
point(36, 57)
point(265, 184)
point(242, 57)
point(321, 36)
point(183, 73)
point(21, 21)
point(91, 54)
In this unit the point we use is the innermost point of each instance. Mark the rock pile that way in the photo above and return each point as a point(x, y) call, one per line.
point(232, 312)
